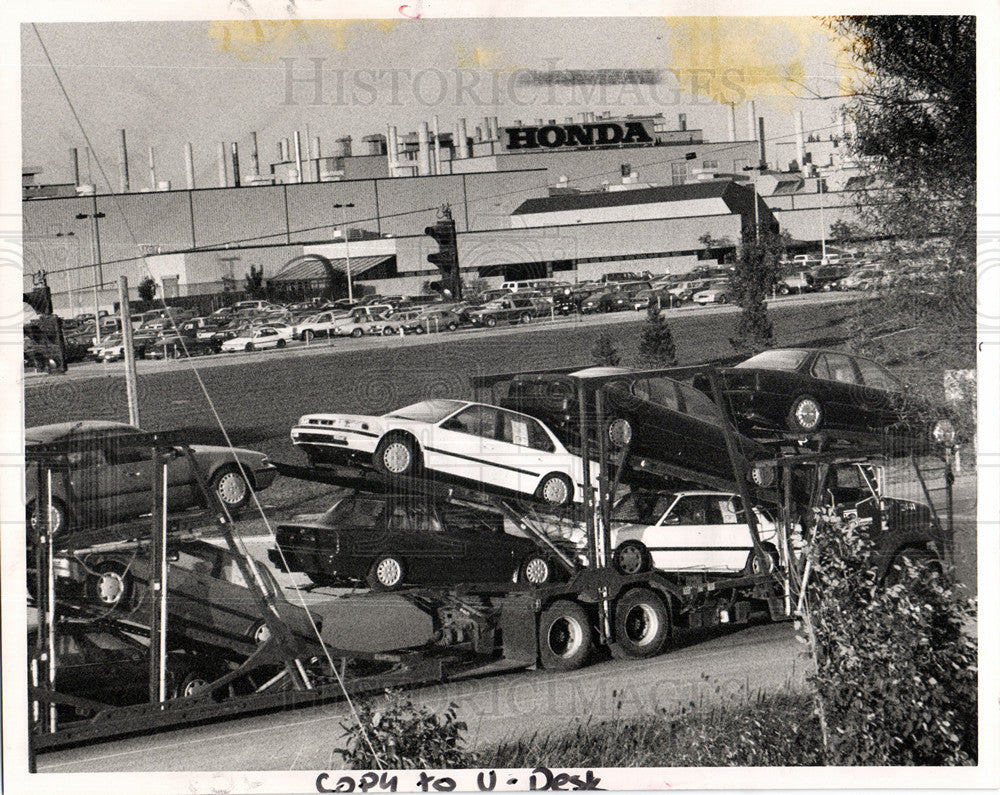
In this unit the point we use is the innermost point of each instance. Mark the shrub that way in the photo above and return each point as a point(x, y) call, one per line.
point(604, 352)
point(895, 668)
point(404, 737)
point(656, 345)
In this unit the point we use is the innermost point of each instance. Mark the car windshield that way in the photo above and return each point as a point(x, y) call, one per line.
point(776, 360)
point(643, 507)
point(427, 410)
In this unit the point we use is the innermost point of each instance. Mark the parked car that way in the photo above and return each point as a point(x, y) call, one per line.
point(719, 294)
point(470, 442)
point(685, 291)
point(361, 319)
point(320, 324)
point(112, 349)
point(512, 309)
point(687, 532)
point(206, 591)
point(605, 301)
point(110, 474)
point(866, 278)
point(257, 338)
point(388, 543)
point(398, 323)
point(439, 319)
point(659, 418)
point(793, 281)
point(177, 345)
point(808, 390)
point(827, 277)
point(658, 297)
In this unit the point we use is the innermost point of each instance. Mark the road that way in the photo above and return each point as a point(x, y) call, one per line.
point(726, 665)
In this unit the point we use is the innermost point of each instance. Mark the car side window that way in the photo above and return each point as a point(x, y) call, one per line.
point(689, 510)
point(834, 367)
point(525, 432)
point(876, 376)
point(663, 392)
point(475, 420)
point(698, 406)
point(727, 510)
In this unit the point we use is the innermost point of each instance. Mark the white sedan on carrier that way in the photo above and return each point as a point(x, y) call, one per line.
point(687, 532)
point(473, 442)
point(255, 339)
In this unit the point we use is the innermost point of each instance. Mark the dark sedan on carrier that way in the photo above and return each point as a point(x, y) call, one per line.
point(806, 391)
point(389, 542)
point(659, 418)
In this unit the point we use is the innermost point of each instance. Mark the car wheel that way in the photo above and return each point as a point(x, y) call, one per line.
point(490, 322)
point(784, 290)
point(536, 570)
point(176, 353)
point(386, 573)
point(249, 346)
point(418, 329)
point(564, 639)
point(756, 567)
point(57, 517)
point(555, 489)
point(806, 414)
point(193, 684)
point(641, 624)
point(723, 299)
point(452, 326)
point(631, 558)
point(397, 456)
point(260, 634)
point(281, 343)
point(387, 332)
point(231, 488)
point(357, 332)
point(108, 586)
point(524, 319)
point(308, 335)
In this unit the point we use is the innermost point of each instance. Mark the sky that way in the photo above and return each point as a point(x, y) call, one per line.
point(169, 83)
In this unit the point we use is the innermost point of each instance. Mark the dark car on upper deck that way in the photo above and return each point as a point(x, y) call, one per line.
point(658, 418)
point(806, 391)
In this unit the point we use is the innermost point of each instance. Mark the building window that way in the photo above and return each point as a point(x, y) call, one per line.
point(710, 164)
point(678, 173)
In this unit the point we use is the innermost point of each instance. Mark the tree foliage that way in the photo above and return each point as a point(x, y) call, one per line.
point(254, 280)
point(147, 290)
point(757, 270)
point(604, 351)
point(896, 668)
point(656, 344)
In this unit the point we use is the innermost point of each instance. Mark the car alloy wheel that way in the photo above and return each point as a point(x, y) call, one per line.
point(386, 573)
point(396, 456)
point(630, 558)
point(57, 517)
point(619, 432)
point(806, 415)
point(231, 489)
point(537, 570)
point(555, 489)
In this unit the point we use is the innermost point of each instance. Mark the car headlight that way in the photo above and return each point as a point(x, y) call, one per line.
point(944, 432)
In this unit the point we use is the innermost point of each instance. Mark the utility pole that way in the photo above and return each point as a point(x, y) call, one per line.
point(347, 247)
point(95, 254)
point(130, 377)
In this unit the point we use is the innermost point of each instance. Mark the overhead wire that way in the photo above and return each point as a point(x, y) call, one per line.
point(218, 419)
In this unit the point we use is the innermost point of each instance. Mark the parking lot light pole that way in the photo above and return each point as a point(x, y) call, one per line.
point(347, 247)
point(95, 255)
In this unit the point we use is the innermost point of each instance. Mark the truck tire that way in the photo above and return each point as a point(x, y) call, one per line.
point(641, 624)
point(564, 639)
point(490, 322)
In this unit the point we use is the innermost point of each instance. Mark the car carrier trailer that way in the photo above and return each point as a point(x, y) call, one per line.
point(555, 626)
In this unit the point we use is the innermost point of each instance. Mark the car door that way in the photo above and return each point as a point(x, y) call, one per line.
point(883, 395)
point(652, 407)
point(468, 445)
point(700, 427)
point(265, 338)
point(839, 391)
point(680, 541)
point(726, 533)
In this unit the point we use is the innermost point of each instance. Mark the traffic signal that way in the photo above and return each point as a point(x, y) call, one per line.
point(446, 257)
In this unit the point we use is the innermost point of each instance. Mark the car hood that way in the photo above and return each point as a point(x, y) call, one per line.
point(217, 450)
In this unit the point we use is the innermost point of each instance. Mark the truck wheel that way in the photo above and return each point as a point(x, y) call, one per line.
point(642, 624)
point(249, 346)
point(452, 326)
point(281, 343)
point(358, 332)
point(388, 331)
point(564, 640)
point(490, 322)
point(308, 335)
point(386, 573)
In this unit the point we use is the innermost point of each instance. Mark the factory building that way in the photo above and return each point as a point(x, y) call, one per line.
point(572, 199)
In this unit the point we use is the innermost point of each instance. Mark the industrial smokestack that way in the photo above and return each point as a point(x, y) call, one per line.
point(800, 141)
point(479, 134)
point(496, 127)
point(732, 121)
point(463, 138)
point(189, 165)
point(254, 156)
point(316, 154)
point(152, 170)
point(122, 162)
point(423, 149)
point(236, 163)
point(392, 149)
point(763, 152)
point(437, 145)
point(682, 122)
point(223, 174)
point(752, 121)
point(298, 155)
point(74, 163)
point(286, 150)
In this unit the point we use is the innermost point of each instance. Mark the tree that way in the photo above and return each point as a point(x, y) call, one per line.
point(914, 108)
point(254, 280)
point(147, 290)
point(842, 232)
point(604, 351)
point(757, 270)
point(656, 345)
